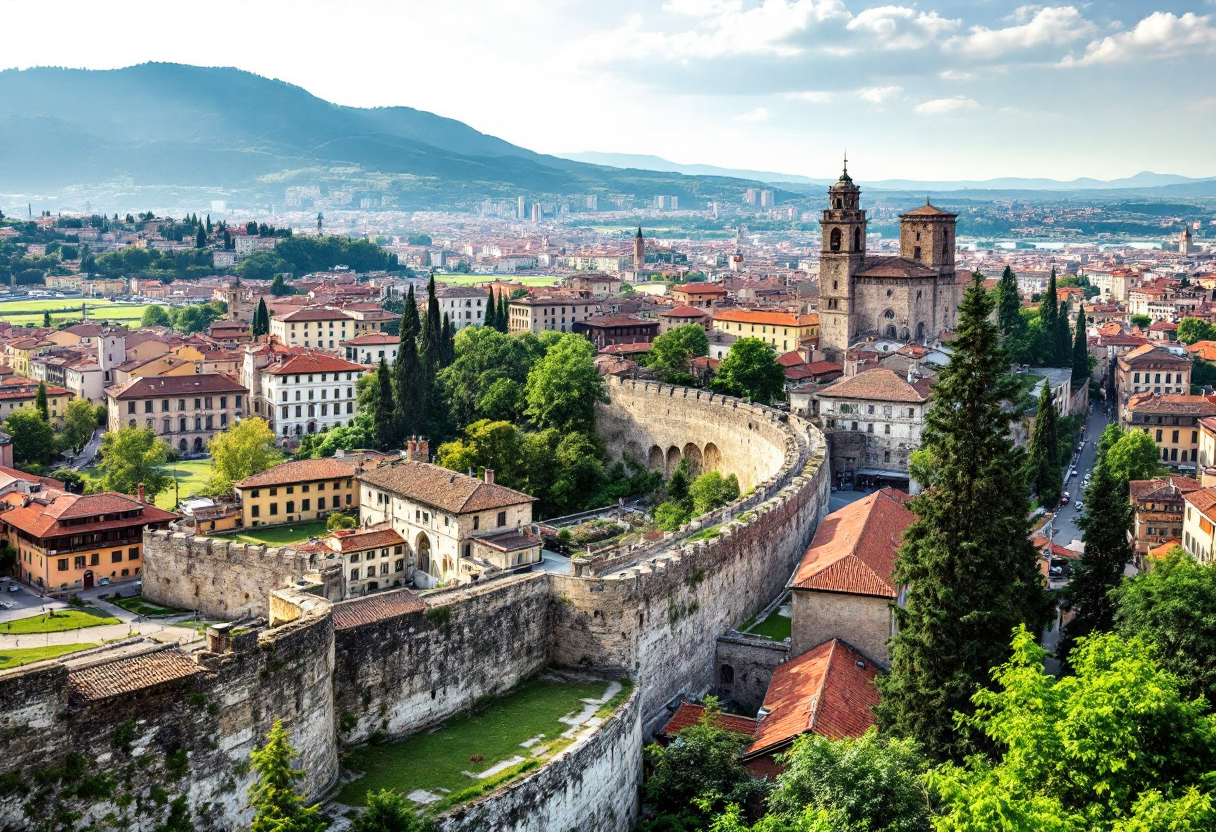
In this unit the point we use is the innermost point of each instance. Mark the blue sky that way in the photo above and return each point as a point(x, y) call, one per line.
point(927, 90)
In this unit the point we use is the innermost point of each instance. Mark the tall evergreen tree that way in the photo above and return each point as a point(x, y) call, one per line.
point(407, 373)
point(277, 805)
point(1080, 351)
point(1043, 463)
point(261, 319)
point(447, 342)
point(40, 402)
point(491, 309)
point(432, 326)
point(1009, 310)
point(1104, 528)
point(1049, 311)
point(200, 239)
point(1063, 338)
point(971, 573)
point(503, 319)
point(384, 411)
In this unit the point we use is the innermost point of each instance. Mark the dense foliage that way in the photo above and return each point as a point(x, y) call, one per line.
point(278, 805)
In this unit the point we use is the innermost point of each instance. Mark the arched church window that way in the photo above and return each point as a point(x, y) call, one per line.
point(835, 239)
point(839, 202)
point(889, 314)
point(945, 251)
point(856, 239)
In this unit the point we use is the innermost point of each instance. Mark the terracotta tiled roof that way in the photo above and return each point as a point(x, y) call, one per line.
point(927, 210)
point(684, 312)
point(1162, 488)
point(616, 320)
point(372, 339)
point(828, 690)
point(315, 315)
point(1203, 500)
point(854, 548)
point(124, 675)
point(626, 349)
point(168, 386)
point(305, 470)
point(891, 266)
point(450, 491)
point(751, 316)
point(689, 714)
point(700, 289)
point(313, 363)
point(1163, 549)
point(376, 537)
point(1176, 403)
point(1039, 542)
point(878, 384)
point(377, 607)
point(511, 541)
point(1149, 355)
point(790, 359)
point(820, 368)
point(41, 515)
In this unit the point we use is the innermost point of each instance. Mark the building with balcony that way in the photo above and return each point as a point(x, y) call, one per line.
point(77, 541)
point(185, 411)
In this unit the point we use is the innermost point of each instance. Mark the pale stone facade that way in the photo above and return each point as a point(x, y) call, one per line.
point(912, 297)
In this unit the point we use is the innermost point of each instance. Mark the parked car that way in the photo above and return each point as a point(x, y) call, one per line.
point(13, 587)
point(1073, 472)
point(1080, 505)
point(1064, 500)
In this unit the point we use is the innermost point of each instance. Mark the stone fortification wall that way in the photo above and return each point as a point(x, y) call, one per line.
point(159, 725)
point(220, 578)
point(592, 786)
point(399, 674)
point(745, 665)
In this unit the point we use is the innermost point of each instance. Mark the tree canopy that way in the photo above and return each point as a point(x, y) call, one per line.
point(33, 438)
point(671, 352)
point(241, 451)
point(751, 370)
point(277, 803)
point(131, 457)
point(563, 387)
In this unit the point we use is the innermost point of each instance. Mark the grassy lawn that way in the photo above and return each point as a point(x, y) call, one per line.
point(29, 312)
point(29, 655)
point(474, 279)
point(139, 606)
point(776, 627)
point(436, 760)
point(58, 621)
point(191, 476)
point(281, 535)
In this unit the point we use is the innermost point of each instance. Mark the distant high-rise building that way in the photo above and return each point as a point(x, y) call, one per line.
point(520, 208)
point(218, 206)
point(751, 196)
point(593, 203)
point(766, 198)
point(639, 251)
point(536, 212)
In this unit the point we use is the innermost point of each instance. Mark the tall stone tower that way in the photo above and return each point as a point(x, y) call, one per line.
point(639, 251)
point(842, 255)
point(1184, 241)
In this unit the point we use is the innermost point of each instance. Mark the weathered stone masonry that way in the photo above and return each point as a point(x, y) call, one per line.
point(655, 619)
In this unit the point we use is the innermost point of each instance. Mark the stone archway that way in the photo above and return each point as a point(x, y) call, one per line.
point(423, 547)
point(712, 457)
point(673, 459)
point(655, 460)
point(693, 454)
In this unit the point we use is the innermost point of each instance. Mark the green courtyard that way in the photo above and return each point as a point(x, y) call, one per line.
point(280, 535)
point(30, 312)
point(774, 626)
point(57, 621)
point(28, 655)
point(472, 754)
point(191, 476)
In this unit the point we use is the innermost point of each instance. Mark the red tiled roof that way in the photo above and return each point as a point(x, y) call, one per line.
point(684, 312)
point(306, 470)
point(751, 316)
point(377, 607)
point(313, 363)
point(828, 690)
point(699, 289)
point(689, 714)
point(927, 210)
point(894, 267)
point(168, 386)
point(854, 548)
point(1162, 488)
point(791, 359)
point(372, 339)
point(40, 517)
point(125, 675)
point(878, 384)
point(378, 537)
point(315, 315)
point(450, 491)
point(824, 367)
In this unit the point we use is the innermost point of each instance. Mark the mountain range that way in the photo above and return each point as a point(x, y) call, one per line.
point(231, 133)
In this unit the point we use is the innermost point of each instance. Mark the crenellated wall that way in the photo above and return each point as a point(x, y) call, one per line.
point(654, 614)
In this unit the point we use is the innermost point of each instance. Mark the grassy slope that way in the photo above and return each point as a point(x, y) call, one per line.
point(28, 655)
point(191, 475)
point(280, 535)
point(70, 619)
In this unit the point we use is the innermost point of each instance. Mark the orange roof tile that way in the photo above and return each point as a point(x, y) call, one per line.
point(750, 316)
point(689, 714)
point(125, 675)
point(313, 363)
point(436, 486)
point(377, 607)
point(854, 548)
point(878, 384)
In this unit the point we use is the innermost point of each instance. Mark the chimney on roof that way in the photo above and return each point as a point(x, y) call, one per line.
point(423, 450)
point(140, 491)
point(489, 476)
point(411, 448)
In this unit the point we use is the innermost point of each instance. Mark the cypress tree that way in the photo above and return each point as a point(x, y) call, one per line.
point(277, 806)
point(261, 319)
point(1043, 464)
point(491, 309)
point(971, 572)
point(40, 402)
point(200, 239)
point(407, 373)
point(1104, 528)
point(1048, 313)
point(447, 342)
point(1080, 351)
point(384, 412)
point(1009, 312)
point(1063, 339)
point(432, 328)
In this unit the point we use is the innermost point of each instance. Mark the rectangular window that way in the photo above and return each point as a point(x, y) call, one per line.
point(78, 562)
point(257, 510)
point(502, 519)
point(291, 506)
point(94, 559)
point(476, 522)
point(274, 509)
point(304, 505)
point(354, 574)
point(133, 553)
point(63, 564)
point(116, 557)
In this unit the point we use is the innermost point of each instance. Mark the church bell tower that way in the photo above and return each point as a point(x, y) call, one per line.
point(841, 256)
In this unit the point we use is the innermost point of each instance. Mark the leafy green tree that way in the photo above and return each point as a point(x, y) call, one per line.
point(679, 484)
point(261, 319)
point(1043, 462)
point(40, 403)
point(33, 438)
point(502, 319)
point(1049, 312)
point(390, 811)
point(1142, 321)
point(562, 470)
point(277, 804)
point(563, 387)
point(340, 520)
point(79, 422)
point(384, 409)
point(279, 287)
point(1080, 351)
point(486, 444)
point(486, 379)
point(670, 515)
point(712, 490)
point(751, 370)
point(971, 572)
point(698, 777)
point(1203, 374)
point(131, 457)
point(671, 352)
point(1114, 747)
point(1105, 526)
point(1191, 330)
point(1170, 607)
point(155, 316)
point(1135, 456)
point(239, 452)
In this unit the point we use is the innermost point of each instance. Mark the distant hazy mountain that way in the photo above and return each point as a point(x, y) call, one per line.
point(1008, 183)
point(176, 125)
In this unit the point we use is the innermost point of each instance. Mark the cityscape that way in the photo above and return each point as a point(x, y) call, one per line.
point(410, 458)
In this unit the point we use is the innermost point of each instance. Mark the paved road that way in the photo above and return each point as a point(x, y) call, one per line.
point(89, 451)
point(1064, 527)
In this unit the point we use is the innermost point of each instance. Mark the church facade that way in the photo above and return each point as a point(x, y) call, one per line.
point(912, 296)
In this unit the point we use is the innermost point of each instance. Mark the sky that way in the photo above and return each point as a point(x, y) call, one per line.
point(939, 89)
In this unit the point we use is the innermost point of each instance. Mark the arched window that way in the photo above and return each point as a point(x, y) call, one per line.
point(889, 314)
point(726, 674)
point(856, 239)
point(839, 202)
point(835, 239)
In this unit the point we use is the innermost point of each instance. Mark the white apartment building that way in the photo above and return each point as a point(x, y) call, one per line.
point(369, 348)
point(323, 329)
point(464, 305)
point(308, 393)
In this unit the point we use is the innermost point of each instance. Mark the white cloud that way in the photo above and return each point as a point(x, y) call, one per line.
point(957, 75)
point(877, 95)
point(813, 96)
point(899, 27)
point(1160, 35)
point(758, 114)
point(1047, 27)
point(944, 106)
